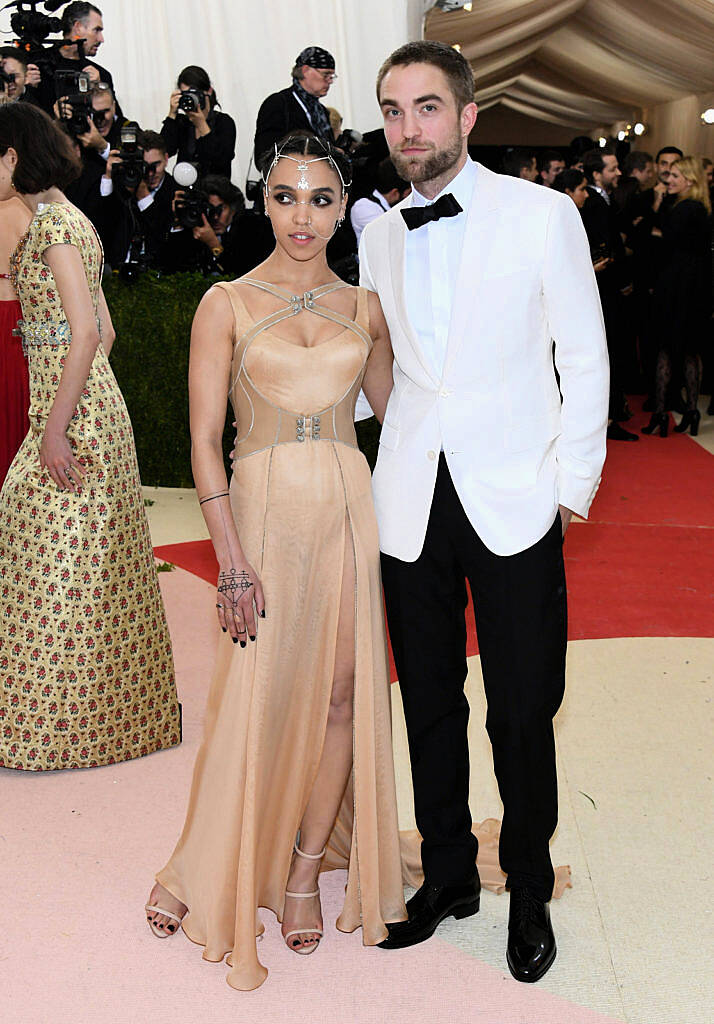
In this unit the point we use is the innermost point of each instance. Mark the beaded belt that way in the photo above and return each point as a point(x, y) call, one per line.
point(52, 334)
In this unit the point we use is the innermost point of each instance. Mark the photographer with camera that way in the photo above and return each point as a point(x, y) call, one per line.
point(298, 108)
point(214, 233)
point(82, 30)
point(136, 200)
point(194, 129)
point(18, 78)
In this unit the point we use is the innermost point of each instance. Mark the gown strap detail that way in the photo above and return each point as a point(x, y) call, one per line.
point(266, 287)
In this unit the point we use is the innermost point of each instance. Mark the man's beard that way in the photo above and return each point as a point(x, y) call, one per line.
point(428, 168)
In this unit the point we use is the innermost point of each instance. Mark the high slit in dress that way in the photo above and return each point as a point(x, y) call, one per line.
point(302, 502)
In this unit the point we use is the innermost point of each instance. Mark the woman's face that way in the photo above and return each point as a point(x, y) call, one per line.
point(677, 184)
point(8, 162)
point(579, 194)
point(304, 202)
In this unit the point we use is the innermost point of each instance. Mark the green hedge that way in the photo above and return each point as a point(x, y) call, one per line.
point(152, 318)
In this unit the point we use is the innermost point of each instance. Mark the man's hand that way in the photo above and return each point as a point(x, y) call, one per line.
point(142, 190)
point(92, 138)
point(660, 191)
point(33, 75)
point(62, 109)
point(565, 516)
point(114, 158)
point(206, 234)
point(600, 264)
point(92, 72)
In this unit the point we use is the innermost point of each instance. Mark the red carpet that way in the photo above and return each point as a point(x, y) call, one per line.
point(644, 563)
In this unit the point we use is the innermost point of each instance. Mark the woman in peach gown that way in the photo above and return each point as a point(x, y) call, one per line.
point(298, 723)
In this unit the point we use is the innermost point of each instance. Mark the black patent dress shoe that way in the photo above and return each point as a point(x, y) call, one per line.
point(531, 943)
point(617, 433)
point(427, 909)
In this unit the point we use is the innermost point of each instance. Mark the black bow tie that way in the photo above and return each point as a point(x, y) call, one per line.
point(446, 206)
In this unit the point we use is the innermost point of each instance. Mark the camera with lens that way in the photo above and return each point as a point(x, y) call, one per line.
point(74, 88)
point(31, 27)
point(130, 172)
point(6, 78)
point(191, 101)
point(192, 207)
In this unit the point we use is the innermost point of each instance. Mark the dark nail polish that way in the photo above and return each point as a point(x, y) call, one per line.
point(224, 629)
point(234, 639)
point(243, 643)
point(262, 614)
point(253, 638)
point(172, 927)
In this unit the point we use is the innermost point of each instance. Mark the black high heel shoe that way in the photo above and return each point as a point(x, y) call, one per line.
point(658, 421)
point(691, 420)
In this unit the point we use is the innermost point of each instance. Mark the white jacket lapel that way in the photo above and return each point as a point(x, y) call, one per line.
point(397, 230)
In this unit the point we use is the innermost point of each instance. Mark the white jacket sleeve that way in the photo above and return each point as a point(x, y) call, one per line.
point(572, 305)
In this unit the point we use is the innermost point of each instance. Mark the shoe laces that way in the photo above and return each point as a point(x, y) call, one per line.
point(527, 905)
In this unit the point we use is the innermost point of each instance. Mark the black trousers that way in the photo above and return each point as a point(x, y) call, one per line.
point(521, 621)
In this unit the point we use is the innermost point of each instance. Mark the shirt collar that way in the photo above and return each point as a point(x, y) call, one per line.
point(601, 192)
point(381, 200)
point(461, 187)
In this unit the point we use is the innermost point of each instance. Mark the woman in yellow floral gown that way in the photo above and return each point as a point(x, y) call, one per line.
point(86, 668)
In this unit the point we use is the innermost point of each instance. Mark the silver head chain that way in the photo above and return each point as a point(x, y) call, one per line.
point(302, 162)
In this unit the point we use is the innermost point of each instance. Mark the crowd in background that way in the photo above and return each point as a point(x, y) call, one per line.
point(648, 222)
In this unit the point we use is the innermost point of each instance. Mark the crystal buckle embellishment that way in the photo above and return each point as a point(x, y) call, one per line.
point(307, 426)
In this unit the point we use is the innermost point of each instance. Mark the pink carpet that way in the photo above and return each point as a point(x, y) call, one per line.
point(79, 850)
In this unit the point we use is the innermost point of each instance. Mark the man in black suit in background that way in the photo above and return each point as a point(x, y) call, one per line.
point(601, 221)
point(134, 222)
point(298, 107)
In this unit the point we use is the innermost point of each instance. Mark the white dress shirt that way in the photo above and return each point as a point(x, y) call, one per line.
point(433, 255)
point(365, 210)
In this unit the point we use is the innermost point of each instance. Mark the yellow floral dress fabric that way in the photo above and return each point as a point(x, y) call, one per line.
point(86, 667)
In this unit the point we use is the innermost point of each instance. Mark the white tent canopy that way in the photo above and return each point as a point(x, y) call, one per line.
point(591, 64)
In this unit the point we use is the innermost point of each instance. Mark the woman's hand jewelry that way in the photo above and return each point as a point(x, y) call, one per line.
point(240, 595)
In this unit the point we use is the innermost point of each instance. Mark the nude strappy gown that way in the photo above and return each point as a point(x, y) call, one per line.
point(302, 502)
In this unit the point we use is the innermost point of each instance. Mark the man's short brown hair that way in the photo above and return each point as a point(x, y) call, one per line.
point(152, 140)
point(456, 68)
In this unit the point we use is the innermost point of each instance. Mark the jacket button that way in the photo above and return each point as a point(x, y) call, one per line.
point(431, 455)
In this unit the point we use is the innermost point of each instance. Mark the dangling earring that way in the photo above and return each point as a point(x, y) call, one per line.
point(13, 185)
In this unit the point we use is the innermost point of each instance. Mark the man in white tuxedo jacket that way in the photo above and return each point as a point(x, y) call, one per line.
point(482, 461)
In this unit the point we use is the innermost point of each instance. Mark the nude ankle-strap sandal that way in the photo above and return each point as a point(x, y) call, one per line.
point(305, 896)
point(158, 932)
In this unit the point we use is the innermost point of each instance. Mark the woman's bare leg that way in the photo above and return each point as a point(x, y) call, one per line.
point(333, 772)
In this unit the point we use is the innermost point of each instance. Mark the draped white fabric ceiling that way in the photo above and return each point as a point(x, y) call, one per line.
point(583, 63)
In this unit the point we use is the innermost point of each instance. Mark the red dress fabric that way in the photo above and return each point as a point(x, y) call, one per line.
point(14, 386)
